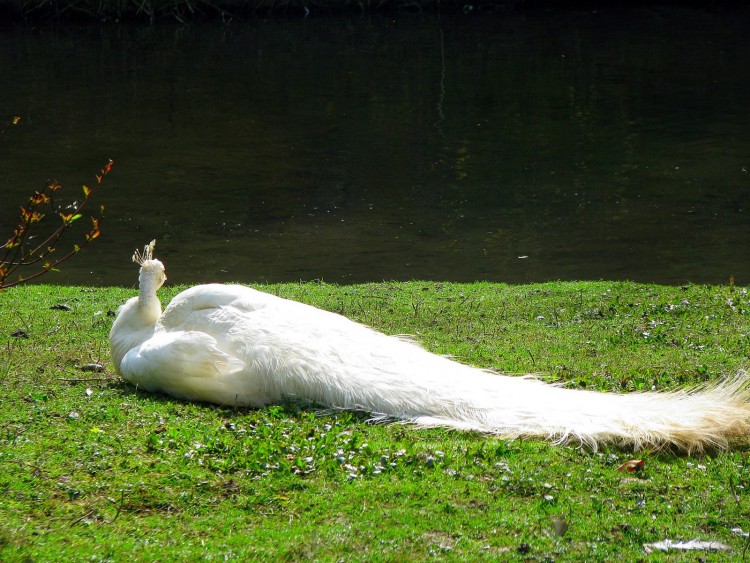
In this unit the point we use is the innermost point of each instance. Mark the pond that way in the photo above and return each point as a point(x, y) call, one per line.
point(517, 147)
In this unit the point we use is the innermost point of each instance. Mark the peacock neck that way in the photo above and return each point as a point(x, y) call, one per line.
point(134, 325)
point(149, 305)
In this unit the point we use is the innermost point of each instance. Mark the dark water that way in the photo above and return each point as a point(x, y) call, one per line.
point(523, 147)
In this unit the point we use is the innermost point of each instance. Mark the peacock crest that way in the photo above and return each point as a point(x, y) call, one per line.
point(148, 253)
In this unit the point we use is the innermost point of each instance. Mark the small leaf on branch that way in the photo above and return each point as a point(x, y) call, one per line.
point(39, 198)
point(68, 218)
point(95, 232)
point(104, 171)
point(86, 191)
point(16, 120)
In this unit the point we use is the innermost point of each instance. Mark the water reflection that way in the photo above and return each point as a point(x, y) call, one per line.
point(597, 145)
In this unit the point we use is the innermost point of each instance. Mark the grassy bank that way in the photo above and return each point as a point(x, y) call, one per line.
point(91, 469)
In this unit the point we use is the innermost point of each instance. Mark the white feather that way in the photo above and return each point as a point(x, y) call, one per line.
point(233, 345)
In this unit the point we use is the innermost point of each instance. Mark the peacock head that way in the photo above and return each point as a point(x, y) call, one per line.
point(152, 275)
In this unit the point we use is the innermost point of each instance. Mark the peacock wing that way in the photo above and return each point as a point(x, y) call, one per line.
point(183, 364)
point(201, 301)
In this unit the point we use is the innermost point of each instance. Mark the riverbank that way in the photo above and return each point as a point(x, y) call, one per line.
point(225, 10)
point(92, 468)
point(150, 11)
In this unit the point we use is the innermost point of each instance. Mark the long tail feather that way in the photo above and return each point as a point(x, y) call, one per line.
point(406, 382)
point(705, 417)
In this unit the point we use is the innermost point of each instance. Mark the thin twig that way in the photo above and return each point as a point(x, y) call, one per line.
point(89, 513)
point(82, 379)
point(119, 507)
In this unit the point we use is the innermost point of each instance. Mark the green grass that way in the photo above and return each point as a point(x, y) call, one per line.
point(93, 470)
